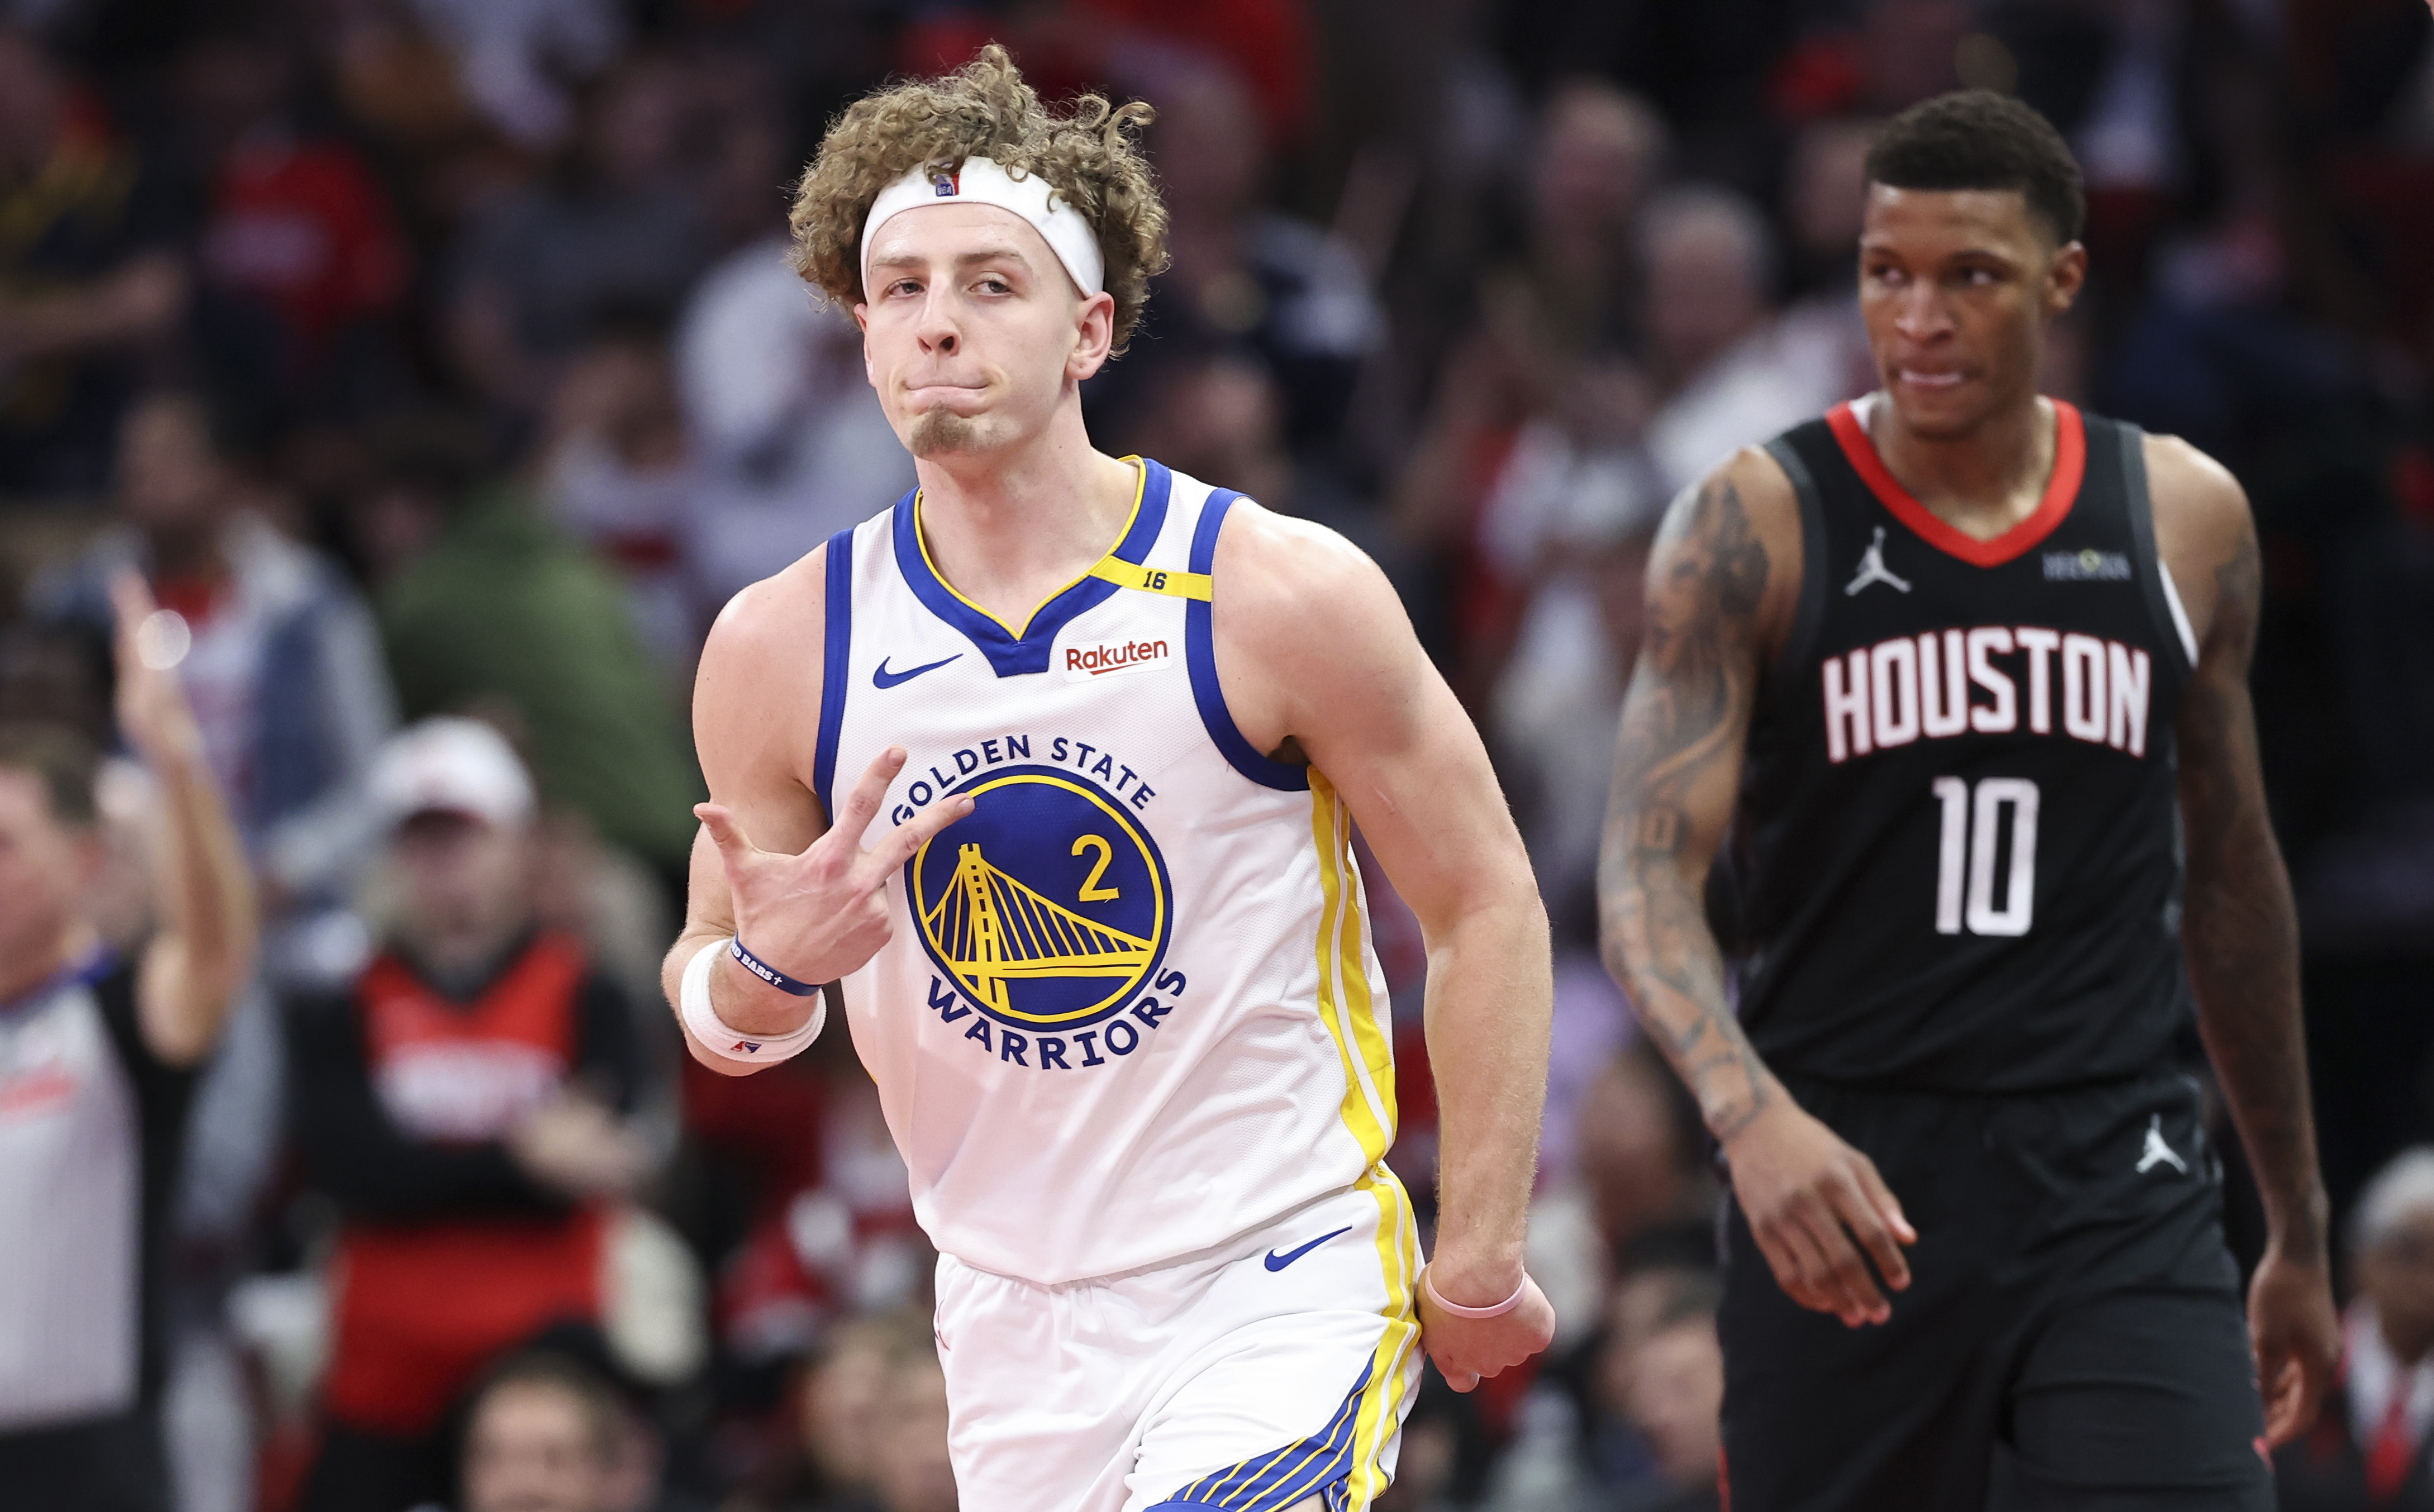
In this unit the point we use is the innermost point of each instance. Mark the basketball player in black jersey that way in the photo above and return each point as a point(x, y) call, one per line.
point(1957, 677)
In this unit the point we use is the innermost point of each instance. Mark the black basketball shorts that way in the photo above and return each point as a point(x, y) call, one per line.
point(2073, 1336)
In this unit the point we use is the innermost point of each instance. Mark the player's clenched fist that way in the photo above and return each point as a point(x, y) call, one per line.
point(822, 913)
point(1815, 1205)
point(1466, 1349)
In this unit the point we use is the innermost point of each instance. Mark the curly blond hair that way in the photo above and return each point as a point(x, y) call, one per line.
point(1089, 156)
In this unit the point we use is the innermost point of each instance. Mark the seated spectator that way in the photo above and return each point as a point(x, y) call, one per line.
point(1728, 378)
point(545, 1434)
point(609, 227)
point(616, 474)
point(516, 61)
point(56, 675)
point(789, 444)
point(301, 259)
point(284, 670)
point(464, 1103)
point(874, 1421)
point(1220, 417)
point(842, 1409)
point(1664, 1278)
point(831, 1232)
point(97, 1058)
point(1601, 151)
point(1281, 292)
point(1824, 203)
point(88, 276)
point(915, 1473)
point(1674, 1395)
point(1578, 523)
point(1534, 446)
point(2368, 1448)
point(1644, 1151)
point(487, 607)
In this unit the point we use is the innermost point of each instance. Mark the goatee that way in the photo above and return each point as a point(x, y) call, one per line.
point(942, 431)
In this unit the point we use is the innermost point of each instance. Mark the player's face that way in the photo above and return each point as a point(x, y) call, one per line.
point(1956, 286)
point(973, 332)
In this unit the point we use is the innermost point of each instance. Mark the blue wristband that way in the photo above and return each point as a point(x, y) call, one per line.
point(768, 973)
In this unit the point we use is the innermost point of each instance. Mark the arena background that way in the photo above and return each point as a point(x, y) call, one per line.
point(462, 328)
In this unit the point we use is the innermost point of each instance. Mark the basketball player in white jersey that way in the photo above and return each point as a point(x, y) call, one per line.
point(1090, 898)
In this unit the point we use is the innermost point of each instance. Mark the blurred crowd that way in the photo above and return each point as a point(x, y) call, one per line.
point(436, 364)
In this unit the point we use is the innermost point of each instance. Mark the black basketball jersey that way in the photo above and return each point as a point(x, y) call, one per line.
point(1957, 854)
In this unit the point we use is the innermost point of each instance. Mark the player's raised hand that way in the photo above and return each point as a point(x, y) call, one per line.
point(1815, 1205)
point(820, 915)
point(1467, 1348)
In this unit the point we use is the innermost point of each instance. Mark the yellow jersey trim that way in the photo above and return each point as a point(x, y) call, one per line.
point(1393, 1374)
point(1345, 1002)
point(1141, 485)
point(1155, 580)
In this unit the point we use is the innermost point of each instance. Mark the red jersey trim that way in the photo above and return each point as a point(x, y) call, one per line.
point(2062, 489)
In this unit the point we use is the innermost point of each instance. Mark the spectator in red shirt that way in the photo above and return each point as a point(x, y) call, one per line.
point(302, 260)
point(465, 1104)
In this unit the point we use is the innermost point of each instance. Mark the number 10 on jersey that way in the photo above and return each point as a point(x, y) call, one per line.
point(1969, 851)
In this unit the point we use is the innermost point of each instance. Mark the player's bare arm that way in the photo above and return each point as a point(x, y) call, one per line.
point(1315, 654)
point(2240, 930)
point(767, 867)
point(1724, 582)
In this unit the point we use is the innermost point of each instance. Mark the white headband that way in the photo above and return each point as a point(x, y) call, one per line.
point(980, 181)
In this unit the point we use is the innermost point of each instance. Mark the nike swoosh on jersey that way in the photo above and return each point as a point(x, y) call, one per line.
point(882, 677)
point(1276, 1262)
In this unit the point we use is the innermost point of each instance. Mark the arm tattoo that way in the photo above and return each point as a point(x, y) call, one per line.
point(1676, 758)
point(2239, 927)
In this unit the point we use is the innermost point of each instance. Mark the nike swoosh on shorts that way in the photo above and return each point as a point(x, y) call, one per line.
point(1276, 1262)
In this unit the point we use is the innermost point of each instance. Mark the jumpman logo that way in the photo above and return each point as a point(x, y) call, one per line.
point(1873, 569)
point(2158, 1153)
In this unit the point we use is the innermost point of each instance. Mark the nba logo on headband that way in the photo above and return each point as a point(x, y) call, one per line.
point(945, 184)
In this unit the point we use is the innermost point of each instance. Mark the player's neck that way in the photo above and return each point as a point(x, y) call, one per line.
point(1010, 527)
point(1981, 482)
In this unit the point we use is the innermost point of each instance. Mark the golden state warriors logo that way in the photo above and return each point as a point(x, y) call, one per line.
point(1048, 904)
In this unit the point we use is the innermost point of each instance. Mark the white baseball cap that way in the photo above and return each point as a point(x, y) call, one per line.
point(452, 765)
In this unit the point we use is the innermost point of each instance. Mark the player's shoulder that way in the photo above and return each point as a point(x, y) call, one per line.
point(2190, 491)
point(1747, 491)
point(772, 631)
point(1284, 581)
point(2203, 534)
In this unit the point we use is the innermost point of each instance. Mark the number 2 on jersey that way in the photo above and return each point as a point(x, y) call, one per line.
point(1968, 848)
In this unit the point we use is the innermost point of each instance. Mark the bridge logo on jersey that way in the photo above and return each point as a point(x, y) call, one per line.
point(1048, 906)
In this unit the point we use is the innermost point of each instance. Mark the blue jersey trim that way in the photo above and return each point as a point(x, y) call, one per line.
point(836, 644)
point(1010, 655)
point(1200, 655)
point(1319, 1465)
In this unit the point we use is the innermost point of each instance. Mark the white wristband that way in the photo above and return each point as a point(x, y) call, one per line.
point(1498, 1310)
point(724, 1040)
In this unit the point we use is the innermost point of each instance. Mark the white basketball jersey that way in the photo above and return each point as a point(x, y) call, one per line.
point(1130, 1009)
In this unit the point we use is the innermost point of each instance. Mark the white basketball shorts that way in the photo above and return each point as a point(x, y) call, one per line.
point(1277, 1367)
